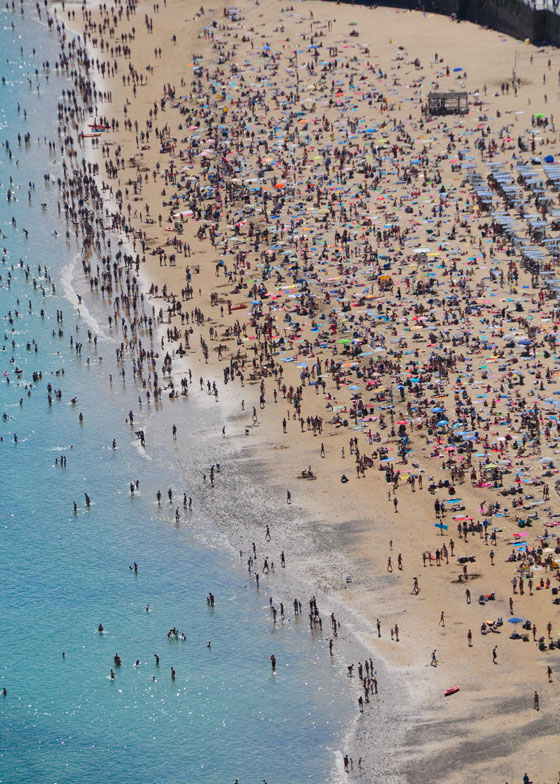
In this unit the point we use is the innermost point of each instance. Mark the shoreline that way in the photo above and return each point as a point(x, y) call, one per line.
point(296, 583)
point(351, 542)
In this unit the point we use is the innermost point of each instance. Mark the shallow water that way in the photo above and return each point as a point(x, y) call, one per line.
point(63, 720)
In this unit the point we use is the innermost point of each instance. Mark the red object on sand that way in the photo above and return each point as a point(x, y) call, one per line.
point(452, 690)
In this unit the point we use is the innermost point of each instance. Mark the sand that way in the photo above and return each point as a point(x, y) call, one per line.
point(401, 186)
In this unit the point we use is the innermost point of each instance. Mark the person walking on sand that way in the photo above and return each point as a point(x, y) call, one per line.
point(495, 654)
point(469, 638)
point(434, 661)
point(549, 673)
point(536, 701)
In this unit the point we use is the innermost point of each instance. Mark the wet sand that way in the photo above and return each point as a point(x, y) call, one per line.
point(335, 245)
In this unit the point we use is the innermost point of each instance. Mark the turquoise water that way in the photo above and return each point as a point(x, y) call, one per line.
point(63, 719)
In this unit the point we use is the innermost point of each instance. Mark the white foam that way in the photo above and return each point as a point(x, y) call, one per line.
point(71, 295)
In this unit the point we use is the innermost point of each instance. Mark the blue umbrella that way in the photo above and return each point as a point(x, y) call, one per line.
point(515, 620)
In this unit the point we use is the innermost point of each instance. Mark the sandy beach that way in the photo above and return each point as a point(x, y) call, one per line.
point(366, 296)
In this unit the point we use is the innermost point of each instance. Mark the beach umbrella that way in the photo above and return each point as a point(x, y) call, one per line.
point(515, 620)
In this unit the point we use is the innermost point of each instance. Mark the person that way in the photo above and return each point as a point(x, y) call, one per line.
point(536, 701)
point(273, 662)
point(549, 673)
point(100, 628)
point(113, 676)
point(495, 654)
point(434, 659)
point(469, 638)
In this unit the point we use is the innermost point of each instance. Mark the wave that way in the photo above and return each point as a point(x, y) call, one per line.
point(66, 276)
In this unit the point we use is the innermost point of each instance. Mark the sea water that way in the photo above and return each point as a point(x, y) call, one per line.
point(226, 715)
